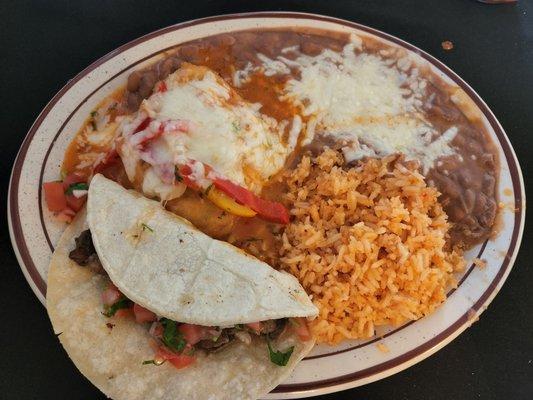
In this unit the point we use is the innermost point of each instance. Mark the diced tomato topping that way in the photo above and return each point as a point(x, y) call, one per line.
point(163, 353)
point(269, 210)
point(75, 203)
point(257, 327)
point(301, 329)
point(71, 179)
point(143, 143)
point(193, 333)
point(65, 215)
point(110, 159)
point(111, 295)
point(149, 135)
point(143, 315)
point(182, 361)
point(185, 171)
point(178, 360)
point(162, 87)
point(143, 125)
point(124, 313)
point(54, 195)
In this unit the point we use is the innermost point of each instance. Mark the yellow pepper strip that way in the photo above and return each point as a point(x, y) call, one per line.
point(227, 203)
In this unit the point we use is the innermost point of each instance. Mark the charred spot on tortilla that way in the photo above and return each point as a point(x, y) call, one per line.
point(84, 249)
point(84, 253)
point(146, 227)
point(187, 299)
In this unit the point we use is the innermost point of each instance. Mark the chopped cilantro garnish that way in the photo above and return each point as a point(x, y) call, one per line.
point(208, 189)
point(172, 338)
point(154, 362)
point(77, 186)
point(278, 357)
point(145, 227)
point(177, 175)
point(236, 126)
point(112, 309)
point(157, 363)
point(92, 121)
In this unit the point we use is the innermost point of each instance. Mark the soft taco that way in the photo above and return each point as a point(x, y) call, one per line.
point(135, 293)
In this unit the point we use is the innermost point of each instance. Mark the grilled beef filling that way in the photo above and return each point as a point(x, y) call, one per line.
point(84, 254)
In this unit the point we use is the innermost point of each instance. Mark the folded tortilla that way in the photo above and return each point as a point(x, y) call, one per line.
point(163, 263)
point(110, 351)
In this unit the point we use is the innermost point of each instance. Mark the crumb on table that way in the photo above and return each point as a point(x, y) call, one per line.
point(447, 45)
point(382, 347)
point(478, 262)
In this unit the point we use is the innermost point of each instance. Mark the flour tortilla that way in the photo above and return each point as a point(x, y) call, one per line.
point(111, 358)
point(163, 263)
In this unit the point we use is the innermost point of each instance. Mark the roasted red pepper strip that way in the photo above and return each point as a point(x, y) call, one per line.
point(269, 210)
point(183, 174)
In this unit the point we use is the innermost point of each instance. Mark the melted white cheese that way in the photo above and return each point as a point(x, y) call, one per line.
point(153, 186)
point(223, 131)
point(410, 137)
point(346, 85)
point(242, 76)
point(372, 103)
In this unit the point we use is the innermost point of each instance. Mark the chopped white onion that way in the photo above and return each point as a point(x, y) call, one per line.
point(243, 337)
point(79, 193)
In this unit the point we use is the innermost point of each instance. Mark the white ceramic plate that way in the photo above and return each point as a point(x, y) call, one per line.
point(327, 369)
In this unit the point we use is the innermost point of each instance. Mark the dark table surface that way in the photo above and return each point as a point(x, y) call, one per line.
point(45, 43)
